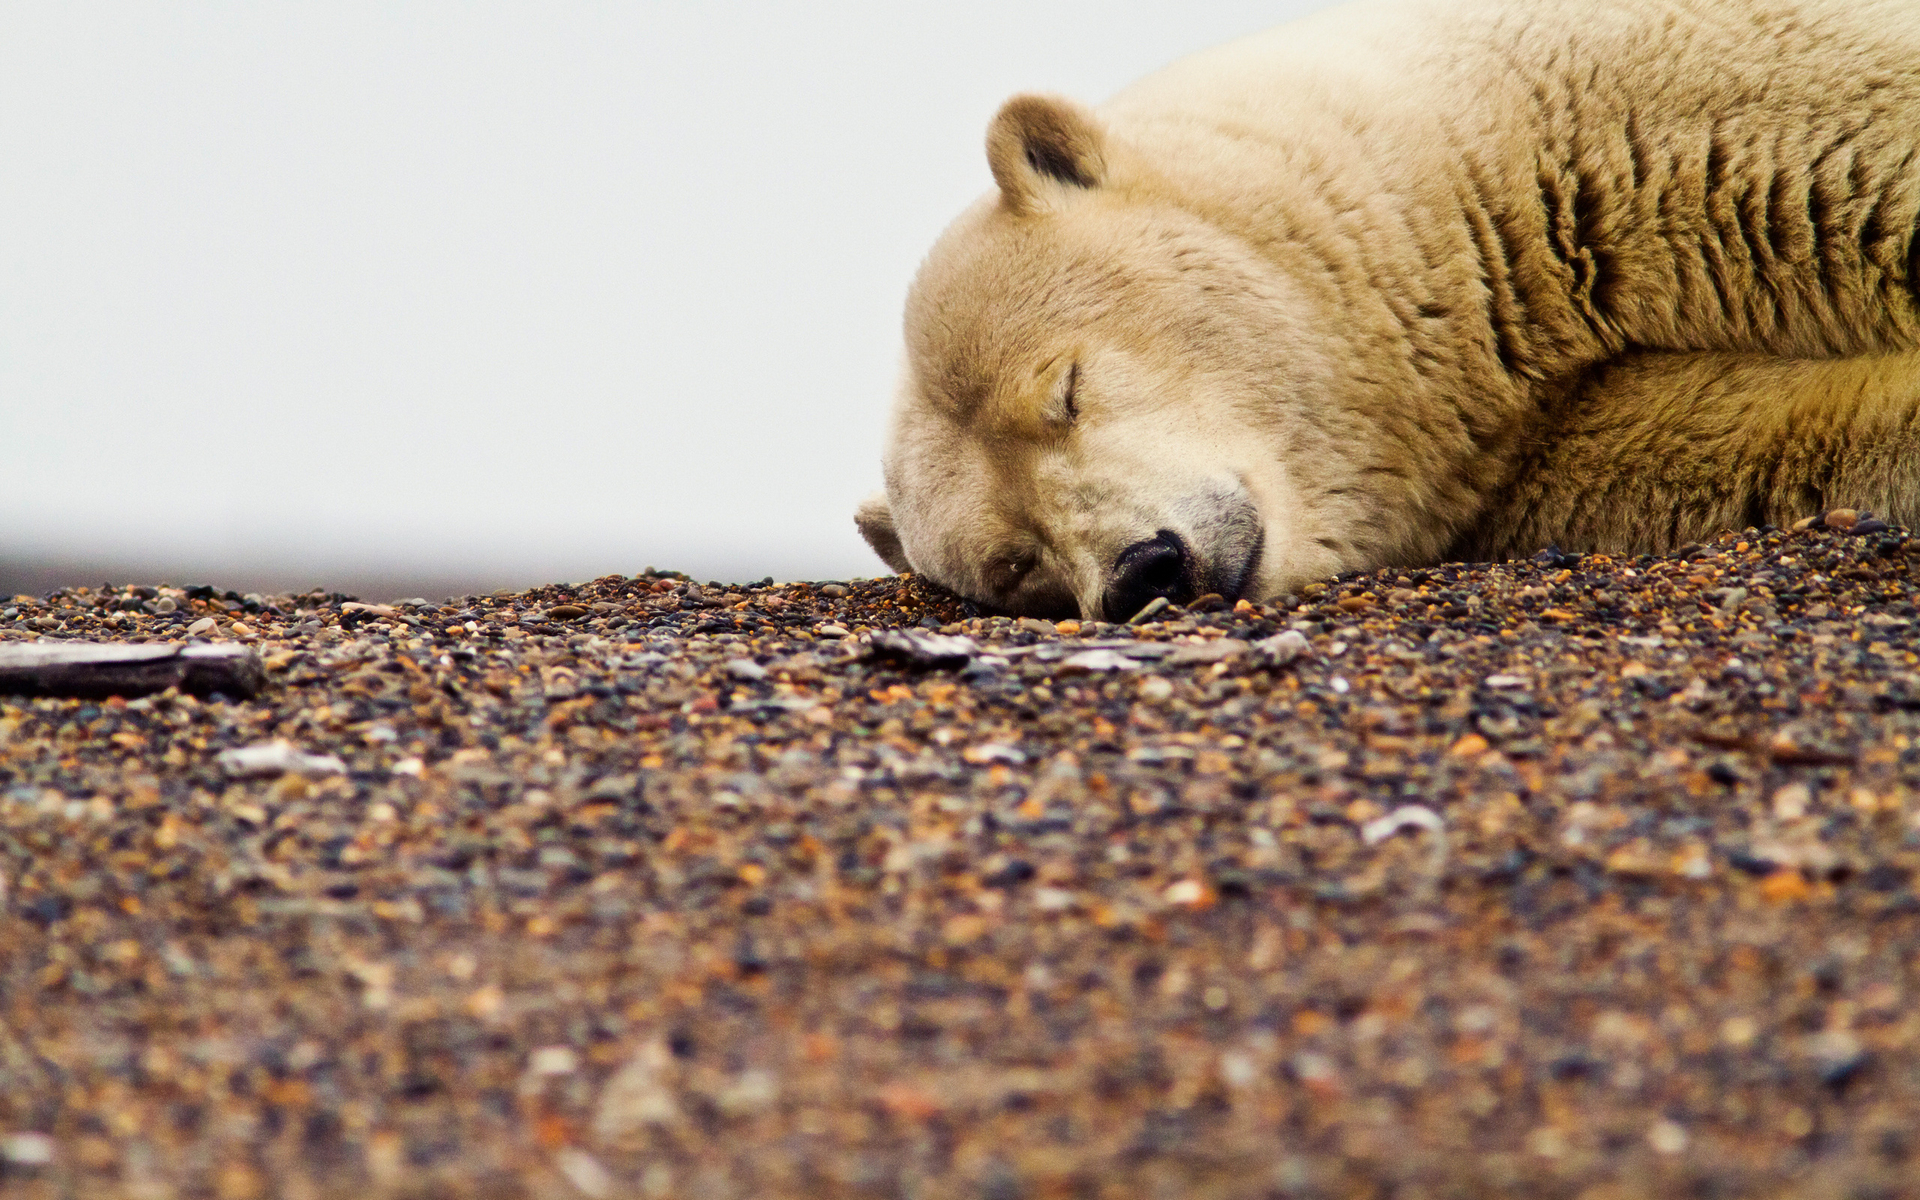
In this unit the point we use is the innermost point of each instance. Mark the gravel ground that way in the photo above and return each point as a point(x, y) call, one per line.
point(1570, 877)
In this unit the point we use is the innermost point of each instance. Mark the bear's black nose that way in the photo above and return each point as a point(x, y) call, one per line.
point(1155, 567)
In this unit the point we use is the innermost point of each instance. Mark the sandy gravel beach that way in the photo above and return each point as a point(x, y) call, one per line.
point(1570, 878)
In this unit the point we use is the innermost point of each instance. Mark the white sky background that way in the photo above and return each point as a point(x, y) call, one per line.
point(514, 293)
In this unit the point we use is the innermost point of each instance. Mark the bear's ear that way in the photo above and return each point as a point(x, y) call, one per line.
point(1038, 143)
point(875, 520)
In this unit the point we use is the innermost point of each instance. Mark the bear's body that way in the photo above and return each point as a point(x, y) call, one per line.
point(1408, 280)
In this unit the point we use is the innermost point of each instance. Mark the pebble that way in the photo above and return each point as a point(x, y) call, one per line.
point(553, 1060)
point(1836, 1055)
point(1187, 892)
point(1667, 1137)
point(201, 627)
point(1408, 816)
point(585, 1173)
point(1094, 662)
point(268, 759)
point(26, 1149)
point(1281, 649)
point(1152, 609)
point(1219, 650)
point(920, 649)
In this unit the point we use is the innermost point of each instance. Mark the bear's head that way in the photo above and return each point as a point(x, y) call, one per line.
point(1101, 397)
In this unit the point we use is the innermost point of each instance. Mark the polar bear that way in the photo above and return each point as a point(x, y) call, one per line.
point(1413, 279)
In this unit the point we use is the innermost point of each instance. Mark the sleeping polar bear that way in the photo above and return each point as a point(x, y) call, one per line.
point(1415, 279)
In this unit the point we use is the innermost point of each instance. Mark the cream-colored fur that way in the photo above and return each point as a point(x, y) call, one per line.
point(1422, 277)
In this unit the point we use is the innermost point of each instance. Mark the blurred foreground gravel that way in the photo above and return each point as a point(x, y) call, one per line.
point(1571, 877)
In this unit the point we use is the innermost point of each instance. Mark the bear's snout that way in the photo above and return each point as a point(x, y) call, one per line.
point(1159, 566)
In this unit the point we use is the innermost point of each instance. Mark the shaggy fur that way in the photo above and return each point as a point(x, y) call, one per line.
point(1407, 280)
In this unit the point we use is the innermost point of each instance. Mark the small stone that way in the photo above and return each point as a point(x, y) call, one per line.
point(1155, 689)
point(1238, 1070)
point(1667, 1138)
point(992, 752)
point(830, 630)
point(1835, 1055)
point(1188, 893)
point(747, 669)
point(1407, 816)
point(567, 612)
point(1053, 900)
point(277, 757)
point(1869, 526)
point(637, 1095)
point(1785, 886)
point(202, 627)
point(902, 1099)
point(1280, 649)
point(27, 1149)
point(585, 1173)
point(1504, 681)
point(165, 605)
point(753, 1090)
point(1154, 608)
point(832, 590)
point(553, 1060)
point(1842, 518)
point(1317, 1071)
point(1089, 662)
point(1219, 650)
point(1739, 1032)
point(1547, 1142)
point(1035, 625)
point(1790, 802)
point(919, 649)
point(1067, 628)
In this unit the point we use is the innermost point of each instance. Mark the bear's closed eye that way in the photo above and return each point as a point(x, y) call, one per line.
point(1063, 406)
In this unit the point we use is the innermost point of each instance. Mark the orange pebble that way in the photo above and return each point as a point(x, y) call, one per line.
point(905, 1100)
point(1785, 886)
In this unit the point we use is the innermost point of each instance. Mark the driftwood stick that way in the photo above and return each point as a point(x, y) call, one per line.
point(93, 670)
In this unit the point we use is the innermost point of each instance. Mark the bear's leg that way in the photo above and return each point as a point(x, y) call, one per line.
point(1656, 450)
